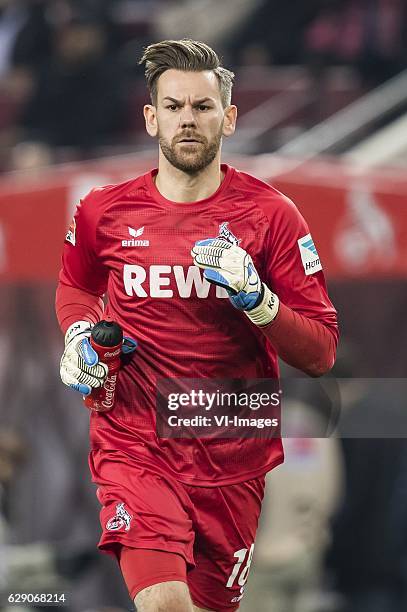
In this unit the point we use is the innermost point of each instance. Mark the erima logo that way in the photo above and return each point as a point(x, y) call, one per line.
point(309, 255)
point(134, 242)
point(226, 234)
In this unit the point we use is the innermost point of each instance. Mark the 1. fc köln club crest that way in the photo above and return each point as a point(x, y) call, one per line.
point(120, 520)
point(226, 234)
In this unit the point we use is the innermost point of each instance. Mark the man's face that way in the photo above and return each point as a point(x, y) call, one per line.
point(189, 119)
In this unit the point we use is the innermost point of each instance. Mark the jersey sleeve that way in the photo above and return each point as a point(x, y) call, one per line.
point(82, 268)
point(293, 268)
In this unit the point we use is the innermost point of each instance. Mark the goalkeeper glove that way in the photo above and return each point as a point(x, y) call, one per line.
point(80, 366)
point(231, 267)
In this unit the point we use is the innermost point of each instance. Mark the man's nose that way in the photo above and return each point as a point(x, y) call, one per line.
point(187, 118)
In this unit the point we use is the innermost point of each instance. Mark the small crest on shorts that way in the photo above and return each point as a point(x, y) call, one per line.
point(120, 520)
point(71, 233)
point(226, 234)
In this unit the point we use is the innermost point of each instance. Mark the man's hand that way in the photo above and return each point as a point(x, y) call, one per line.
point(80, 367)
point(231, 267)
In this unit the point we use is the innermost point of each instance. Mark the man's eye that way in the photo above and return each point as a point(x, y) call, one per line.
point(203, 107)
point(172, 107)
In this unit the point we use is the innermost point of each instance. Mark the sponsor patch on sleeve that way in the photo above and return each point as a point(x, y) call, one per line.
point(309, 255)
point(71, 233)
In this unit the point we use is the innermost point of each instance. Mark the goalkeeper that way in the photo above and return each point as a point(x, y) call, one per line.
point(216, 275)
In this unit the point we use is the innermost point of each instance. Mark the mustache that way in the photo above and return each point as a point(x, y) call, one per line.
point(189, 135)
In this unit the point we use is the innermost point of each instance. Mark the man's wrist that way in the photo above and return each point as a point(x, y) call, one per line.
point(266, 311)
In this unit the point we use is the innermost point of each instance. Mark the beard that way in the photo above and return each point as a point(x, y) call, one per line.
point(190, 159)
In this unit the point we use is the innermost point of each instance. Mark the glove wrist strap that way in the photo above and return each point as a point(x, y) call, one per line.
point(79, 327)
point(266, 311)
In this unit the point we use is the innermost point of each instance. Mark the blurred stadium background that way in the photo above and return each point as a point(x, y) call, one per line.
point(322, 96)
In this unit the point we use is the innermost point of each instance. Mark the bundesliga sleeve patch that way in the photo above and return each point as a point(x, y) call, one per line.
point(309, 255)
point(71, 233)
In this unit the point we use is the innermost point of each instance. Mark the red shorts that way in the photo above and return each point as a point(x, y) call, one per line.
point(213, 529)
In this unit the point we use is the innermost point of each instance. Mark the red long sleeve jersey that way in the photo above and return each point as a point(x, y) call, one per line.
point(131, 242)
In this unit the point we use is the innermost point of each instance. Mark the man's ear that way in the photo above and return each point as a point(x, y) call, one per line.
point(150, 116)
point(229, 122)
